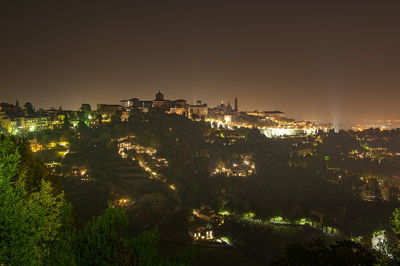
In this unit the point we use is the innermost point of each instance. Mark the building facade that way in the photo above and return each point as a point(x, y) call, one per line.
point(5, 121)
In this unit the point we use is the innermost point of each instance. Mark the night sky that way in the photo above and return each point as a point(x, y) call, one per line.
point(311, 59)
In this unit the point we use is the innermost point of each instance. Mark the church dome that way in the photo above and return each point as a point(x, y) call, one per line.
point(159, 96)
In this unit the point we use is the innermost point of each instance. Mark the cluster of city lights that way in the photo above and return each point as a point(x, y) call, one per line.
point(283, 129)
point(125, 144)
point(244, 168)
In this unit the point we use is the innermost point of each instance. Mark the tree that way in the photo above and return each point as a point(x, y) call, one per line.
point(30, 170)
point(15, 245)
point(3, 131)
point(85, 113)
point(83, 130)
point(85, 107)
point(29, 221)
point(343, 252)
point(29, 108)
point(103, 241)
point(36, 225)
point(62, 248)
point(389, 250)
point(66, 124)
point(116, 117)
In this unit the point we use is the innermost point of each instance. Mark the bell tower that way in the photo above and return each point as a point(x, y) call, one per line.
point(236, 105)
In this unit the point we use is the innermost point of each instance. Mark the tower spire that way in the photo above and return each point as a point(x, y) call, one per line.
point(236, 105)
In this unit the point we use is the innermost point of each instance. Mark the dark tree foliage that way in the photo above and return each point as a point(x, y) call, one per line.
point(37, 228)
point(103, 241)
point(29, 108)
point(293, 177)
point(30, 214)
point(316, 253)
point(30, 169)
point(285, 183)
point(66, 124)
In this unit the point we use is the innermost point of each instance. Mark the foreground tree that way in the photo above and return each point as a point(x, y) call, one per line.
point(36, 225)
point(104, 242)
point(389, 249)
point(28, 221)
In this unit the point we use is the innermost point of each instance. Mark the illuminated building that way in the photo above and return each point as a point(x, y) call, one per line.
point(222, 109)
point(177, 110)
point(199, 110)
point(129, 104)
point(144, 106)
point(266, 113)
point(34, 123)
point(5, 121)
point(135, 103)
point(14, 126)
point(123, 202)
point(202, 233)
point(35, 146)
point(178, 107)
point(107, 110)
point(125, 115)
point(10, 109)
point(228, 118)
point(179, 103)
point(160, 103)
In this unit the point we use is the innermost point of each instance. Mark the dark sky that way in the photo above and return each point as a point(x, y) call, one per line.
point(310, 59)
